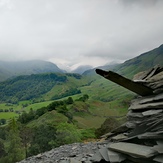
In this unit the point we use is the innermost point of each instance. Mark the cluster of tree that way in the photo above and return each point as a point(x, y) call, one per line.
point(60, 106)
point(84, 98)
point(77, 76)
point(69, 92)
point(22, 141)
point(7, 110)
point(28, 87)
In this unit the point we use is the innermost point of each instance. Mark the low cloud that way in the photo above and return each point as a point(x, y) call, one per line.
point(79, 32)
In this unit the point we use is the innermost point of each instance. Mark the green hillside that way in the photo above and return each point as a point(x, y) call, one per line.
point(142, 62)
point(40, 87)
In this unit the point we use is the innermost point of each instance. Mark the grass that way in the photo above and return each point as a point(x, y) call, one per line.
point(89, 121)
point(8, 115)
point(36, 106)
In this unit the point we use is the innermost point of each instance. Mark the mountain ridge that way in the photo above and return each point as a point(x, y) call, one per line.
point(142, 62)
point(12, 69)
point(134, 65)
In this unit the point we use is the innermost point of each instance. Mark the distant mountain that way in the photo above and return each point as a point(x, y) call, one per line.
point(11, 69)
point(106, 67)
point(81, 69)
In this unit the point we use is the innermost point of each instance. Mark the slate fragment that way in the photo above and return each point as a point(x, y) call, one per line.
point(104, 153)
point(97, 157)
point(146, 106)
point(136, 150)
point(151, 112)
point(115, 156)
point(72, 160)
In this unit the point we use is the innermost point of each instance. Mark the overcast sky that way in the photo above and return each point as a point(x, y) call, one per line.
point(76, 32)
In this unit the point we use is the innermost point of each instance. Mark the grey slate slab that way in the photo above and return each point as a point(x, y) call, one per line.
point(104, 153)
point(151, 98)
point(155, 85)
point(115, 156)
point(131, 124)
point(133, 114)
point(156, 105)
point(151, 135)
point(72, 160)
point(151, 112)
point(158, 148)
point(153, 71)
point(136, 150)
point(96, 157)
point(119, 137)
point(155, 78)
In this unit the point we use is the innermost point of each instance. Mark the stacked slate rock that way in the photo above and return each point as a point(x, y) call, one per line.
point(139, 140)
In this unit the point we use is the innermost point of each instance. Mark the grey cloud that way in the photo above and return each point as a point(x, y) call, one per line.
point(74, 32)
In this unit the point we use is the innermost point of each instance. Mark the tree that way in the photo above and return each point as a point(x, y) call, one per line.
point(14, 149)
point(23, 118)
point(42, 136)
point(62, 109)
point(41, 111)
point(85, 97)
point(2, 149)
point(69, 100)
point(31, 115)
point(26, 136)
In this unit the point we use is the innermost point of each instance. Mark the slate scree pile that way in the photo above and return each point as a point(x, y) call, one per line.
point(139, 140)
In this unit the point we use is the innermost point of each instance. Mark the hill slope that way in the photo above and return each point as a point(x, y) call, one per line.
point(10, 69)
point(142, 62)
point(50, 85)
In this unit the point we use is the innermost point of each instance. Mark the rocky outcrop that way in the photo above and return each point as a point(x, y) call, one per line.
point(74, 153)
point(140, 139)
